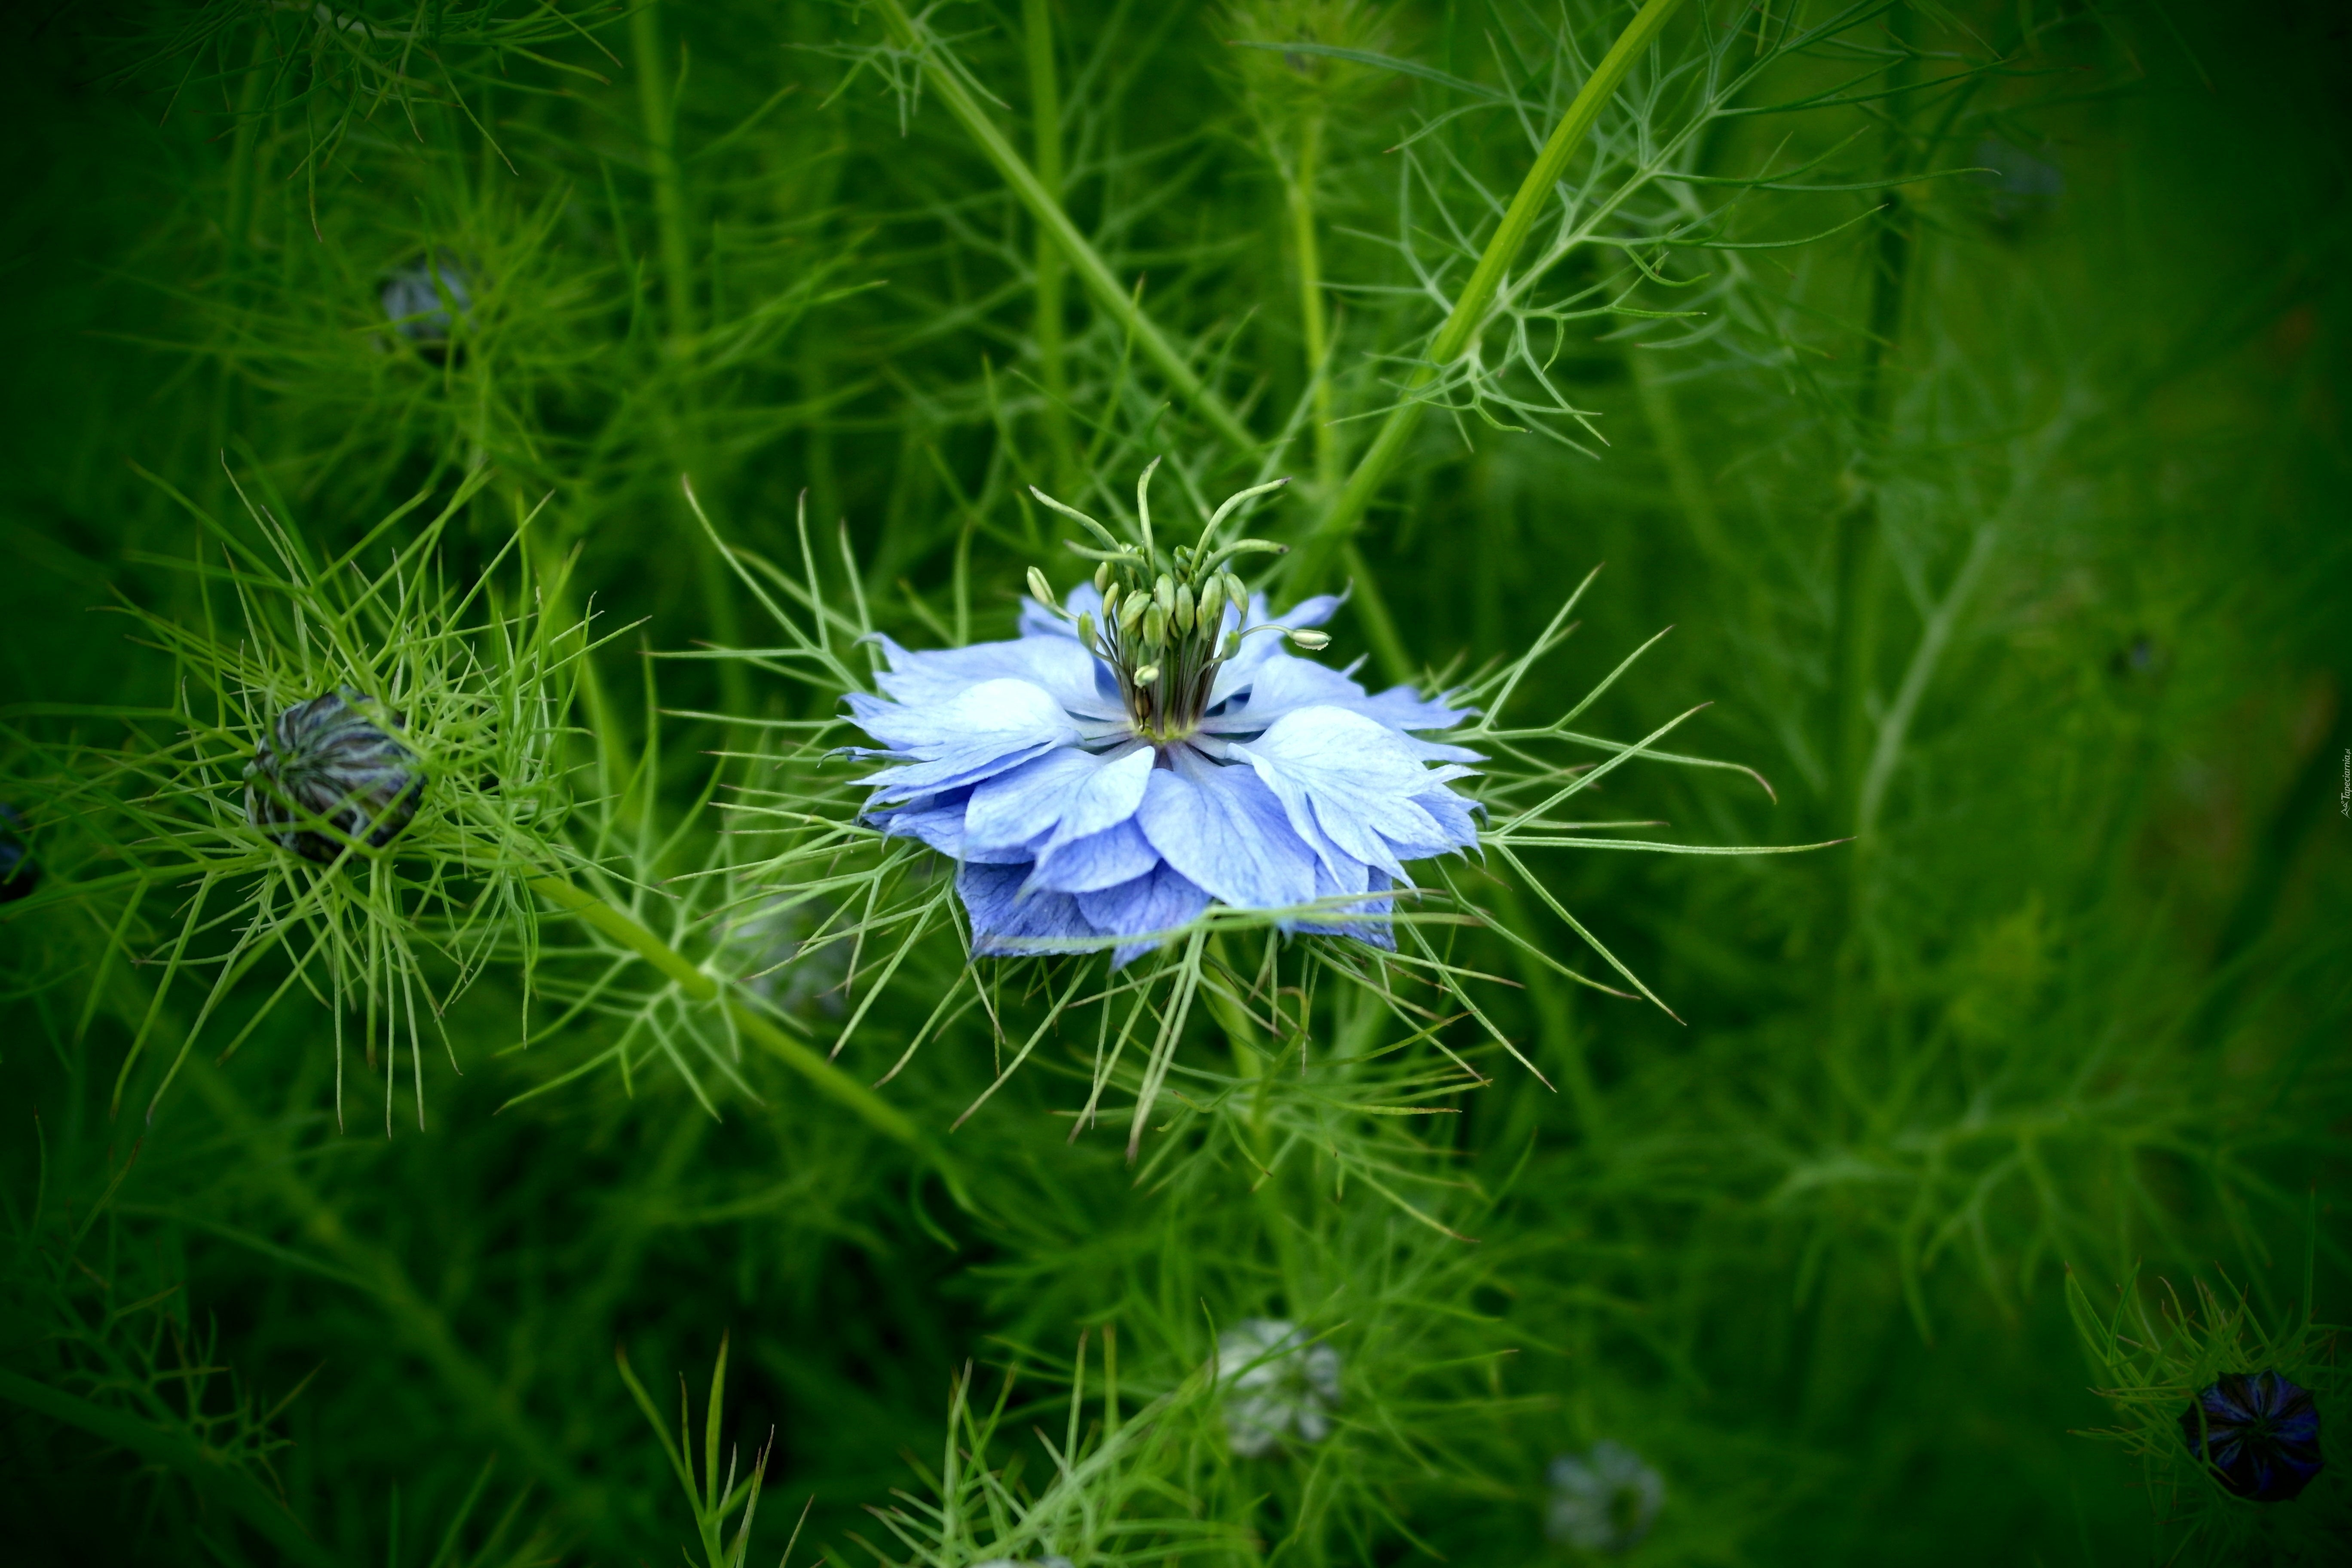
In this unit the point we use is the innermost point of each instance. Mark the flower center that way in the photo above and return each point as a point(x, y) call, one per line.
point(1170, 619)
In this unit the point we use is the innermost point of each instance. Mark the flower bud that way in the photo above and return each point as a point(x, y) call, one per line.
point(1102, 578)
point(1146, 675)
point(1155, 625)
point(1233, 644)
point(1238, 591)
point(1313, 642)
point(2258, 1433)
point(1184, 610)
point(1087, 630)
point(1164, 594)
point(335, 758)
point(19, 873)
point(1039, 589)
point(1110, 603)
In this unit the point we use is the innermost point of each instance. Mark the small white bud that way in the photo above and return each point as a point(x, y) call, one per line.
point(1312, 642)
point(1146, 675)
point(1041, 590)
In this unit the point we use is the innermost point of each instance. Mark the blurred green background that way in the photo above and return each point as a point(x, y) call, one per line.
point(2004, 527)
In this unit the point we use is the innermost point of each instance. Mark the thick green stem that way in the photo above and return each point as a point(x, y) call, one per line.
point(660, 122)
point(658, 115)
point(1046, 130)
point(698, 983)
point(1471, 305)
point(1094, 275)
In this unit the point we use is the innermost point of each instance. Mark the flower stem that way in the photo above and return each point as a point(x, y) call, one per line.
point(1470, 307)
point(1093, 274)
point(700, 985)
point(1046, 129)
point(1299, 191)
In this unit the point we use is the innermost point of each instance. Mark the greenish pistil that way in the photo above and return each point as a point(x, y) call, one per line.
point(1162, 629)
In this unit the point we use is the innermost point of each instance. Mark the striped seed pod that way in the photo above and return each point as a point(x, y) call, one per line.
point(337, 759)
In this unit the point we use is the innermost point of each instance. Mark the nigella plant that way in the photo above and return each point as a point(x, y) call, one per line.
point(1152, 766)
point(1148, 748)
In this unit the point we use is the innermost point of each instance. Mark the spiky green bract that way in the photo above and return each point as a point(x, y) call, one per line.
point(2151, 1352)
point(156, 845)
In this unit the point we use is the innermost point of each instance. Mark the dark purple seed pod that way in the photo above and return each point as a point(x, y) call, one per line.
point(337, 758)
point(2258, 1432)
point(19, 873)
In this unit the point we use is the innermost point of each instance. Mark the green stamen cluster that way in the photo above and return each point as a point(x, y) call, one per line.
point(1162, 626)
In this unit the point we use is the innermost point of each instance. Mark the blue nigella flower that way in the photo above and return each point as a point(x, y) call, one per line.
point(417, 299)
point(1605, 1500)
point(1150, 748)
point(2259, 1432)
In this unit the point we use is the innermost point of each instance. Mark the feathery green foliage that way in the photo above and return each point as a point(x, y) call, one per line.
point(1960, 387)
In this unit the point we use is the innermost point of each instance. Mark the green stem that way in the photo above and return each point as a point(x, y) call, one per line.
point(1298, 189)
point(1046, 129)
point(658, 115)
point(1094, 275)
point(1470, 307)
point(699, 983)
point(660, 121)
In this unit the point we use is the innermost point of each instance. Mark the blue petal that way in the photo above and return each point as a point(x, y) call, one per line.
point(1037, 621)
point(1056, 664)
point(1354, 779)
point(1161, 900)
point(1361, 925)
point(1099, 860)
point(1022, 805)
point(1224, 830)
point(973, 735)
point(1005, 924)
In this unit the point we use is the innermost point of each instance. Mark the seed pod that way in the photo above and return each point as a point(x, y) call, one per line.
point(1163, 593)
point(19, 873)
point(1039, 589)
point(1155, 625)
point(337, 758)
point(1184, 610)
point(2258, 1432)
point(1102, 578)
point(1211, 607)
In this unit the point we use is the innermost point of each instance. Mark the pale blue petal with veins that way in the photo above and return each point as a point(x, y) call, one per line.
point(1292, 789)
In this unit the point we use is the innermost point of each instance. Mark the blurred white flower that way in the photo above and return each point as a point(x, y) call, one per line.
point(1605, 1500)
point(1278, 1385)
